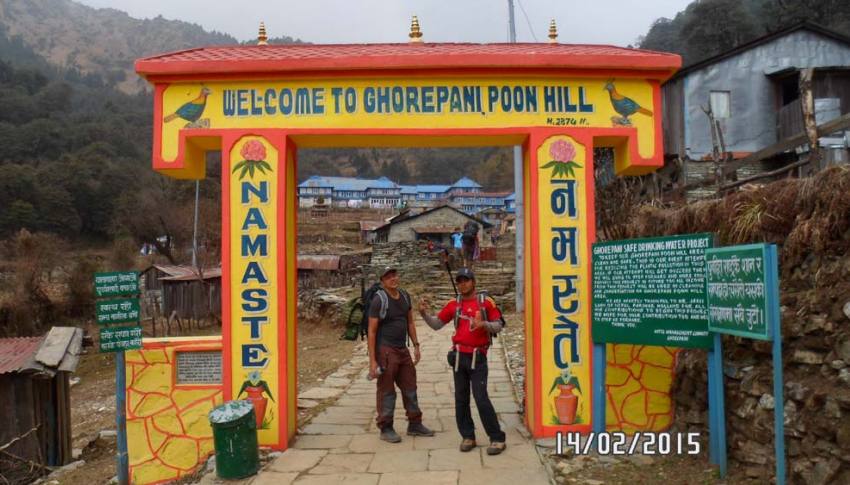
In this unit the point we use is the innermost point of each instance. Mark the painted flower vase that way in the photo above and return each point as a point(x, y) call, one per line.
point(566, 404)
point(255, 395)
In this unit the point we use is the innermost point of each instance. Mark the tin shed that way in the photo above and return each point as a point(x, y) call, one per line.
point(35, 401)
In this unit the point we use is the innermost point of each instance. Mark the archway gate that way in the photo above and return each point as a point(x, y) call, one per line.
point(259, 104)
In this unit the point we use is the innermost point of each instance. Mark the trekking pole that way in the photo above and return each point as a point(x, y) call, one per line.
point(449, 269)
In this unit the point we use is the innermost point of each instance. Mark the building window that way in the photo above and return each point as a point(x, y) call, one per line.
point(721, 105)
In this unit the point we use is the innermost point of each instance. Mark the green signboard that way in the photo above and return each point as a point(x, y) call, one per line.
point(124, 310)
point(116, 339)
point(116, 283)
point(651, 291)
point(740, 290)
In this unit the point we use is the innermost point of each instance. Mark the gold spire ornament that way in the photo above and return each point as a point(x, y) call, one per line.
point(553, 32)
point(262, 38)
point(415, 33)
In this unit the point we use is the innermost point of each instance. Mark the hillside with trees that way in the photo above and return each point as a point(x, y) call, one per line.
point(75, 129)
point(708, 27)
point(75, 146)
point(99, 41)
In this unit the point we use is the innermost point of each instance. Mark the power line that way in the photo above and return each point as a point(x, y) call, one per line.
point(527, 21)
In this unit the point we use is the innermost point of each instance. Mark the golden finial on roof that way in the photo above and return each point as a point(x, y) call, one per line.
point(415, 33)
point(262, 38)
point(553, 32)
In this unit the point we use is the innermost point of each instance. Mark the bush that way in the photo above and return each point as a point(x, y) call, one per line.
point(30, 308)
point(80, 296)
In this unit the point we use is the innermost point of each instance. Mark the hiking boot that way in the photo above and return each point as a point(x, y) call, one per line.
point(418, 429)
point(496, 447)
point(467, 445)
point(389, 435)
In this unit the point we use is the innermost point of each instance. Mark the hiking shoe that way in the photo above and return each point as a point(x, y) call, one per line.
point(496, 447)
point(389, 435)
point(418, 429)
point(467, 445)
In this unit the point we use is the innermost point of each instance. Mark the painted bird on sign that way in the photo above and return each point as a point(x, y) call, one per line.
point(192, 110)
point(623, 105)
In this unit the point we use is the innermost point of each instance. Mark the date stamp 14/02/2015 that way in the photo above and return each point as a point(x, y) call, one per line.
point(618, 443)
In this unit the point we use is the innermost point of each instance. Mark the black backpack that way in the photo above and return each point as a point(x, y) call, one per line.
point(375, 291)
point(470, 232)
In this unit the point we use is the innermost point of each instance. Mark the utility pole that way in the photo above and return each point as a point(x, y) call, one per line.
point(518, 186)
point(511, 23)
point(195, 229)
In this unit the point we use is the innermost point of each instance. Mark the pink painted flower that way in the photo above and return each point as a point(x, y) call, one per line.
point(562, 151)
point(253, 150)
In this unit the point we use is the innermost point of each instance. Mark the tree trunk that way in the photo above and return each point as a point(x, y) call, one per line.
point(807, 103)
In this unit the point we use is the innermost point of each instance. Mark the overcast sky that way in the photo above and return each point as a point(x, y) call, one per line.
point(617, 22)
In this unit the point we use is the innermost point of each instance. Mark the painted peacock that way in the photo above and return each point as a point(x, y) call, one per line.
point(192, 110)
point(623, 105)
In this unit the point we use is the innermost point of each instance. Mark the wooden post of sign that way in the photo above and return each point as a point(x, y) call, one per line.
point(716, 407)
point(772, 277)
point(762, 323)
point(597, 413)
point(121, 419)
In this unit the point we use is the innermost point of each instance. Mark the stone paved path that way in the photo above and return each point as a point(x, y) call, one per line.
point(341, 446)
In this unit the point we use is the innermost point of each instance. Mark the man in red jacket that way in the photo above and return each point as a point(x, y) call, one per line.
point(476, 319)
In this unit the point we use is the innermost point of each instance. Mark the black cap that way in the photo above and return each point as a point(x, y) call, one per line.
point(387, 270)
point(465, 273)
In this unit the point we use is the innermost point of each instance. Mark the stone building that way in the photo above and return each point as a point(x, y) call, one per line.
point(435, 224)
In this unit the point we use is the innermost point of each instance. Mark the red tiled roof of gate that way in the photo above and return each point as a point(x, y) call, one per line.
point(15, 352)
point(314, 57)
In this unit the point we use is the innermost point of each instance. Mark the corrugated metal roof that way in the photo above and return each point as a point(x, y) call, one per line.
point(433, 188)
point(370, 225)
point(17, 352)
point(812, 27)
point(324, 262)
point(349, 183)
point(433, 230)
point(173, 270)
point(499, 195)
point(426, 55)
point(425, 213)
point(466, 182)
point(188, 273)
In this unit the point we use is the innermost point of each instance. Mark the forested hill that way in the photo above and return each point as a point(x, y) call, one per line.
point(103, 41)
point(67, 151)
point(75, 159)
point(708, 27)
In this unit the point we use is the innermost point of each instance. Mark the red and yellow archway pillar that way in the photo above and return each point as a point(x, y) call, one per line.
point(559, 181)
point(259, 261)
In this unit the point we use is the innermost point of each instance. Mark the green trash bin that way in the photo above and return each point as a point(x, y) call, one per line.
point(235, 436)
